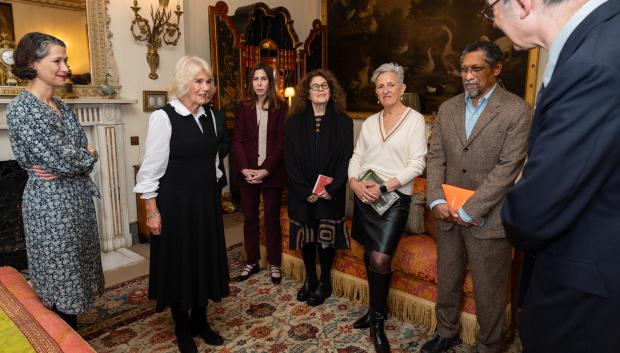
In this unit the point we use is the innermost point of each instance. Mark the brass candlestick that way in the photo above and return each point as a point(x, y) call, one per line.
point(162, 29)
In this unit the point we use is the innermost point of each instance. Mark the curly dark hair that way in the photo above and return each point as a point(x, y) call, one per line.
point(336, 94)
point(32, 47)
point(271, 100)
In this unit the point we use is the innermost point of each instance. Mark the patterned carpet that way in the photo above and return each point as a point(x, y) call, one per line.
point(258, 317)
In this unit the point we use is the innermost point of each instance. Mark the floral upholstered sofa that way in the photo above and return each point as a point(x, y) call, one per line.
point(413, 290)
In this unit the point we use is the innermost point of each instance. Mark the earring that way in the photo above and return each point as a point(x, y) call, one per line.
point(401, 98)
point(378, 101)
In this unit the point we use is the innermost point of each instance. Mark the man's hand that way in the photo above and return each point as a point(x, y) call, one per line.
point(42, 173)
point(458, 220)
point(442, 211)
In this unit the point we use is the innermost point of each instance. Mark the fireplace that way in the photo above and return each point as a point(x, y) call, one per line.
point(12, 242)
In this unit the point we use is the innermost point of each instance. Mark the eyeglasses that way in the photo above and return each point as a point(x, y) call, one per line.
point(487, 11)
point(390, 86)
point(315, 87)
point(475, 70)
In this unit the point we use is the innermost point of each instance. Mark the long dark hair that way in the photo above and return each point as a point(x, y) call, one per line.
point(271, 100)
point(32, 47)
point(336, 93)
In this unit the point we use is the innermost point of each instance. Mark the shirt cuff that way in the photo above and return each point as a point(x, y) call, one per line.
point(148, 195)
point(464, 216)
point(436, 202)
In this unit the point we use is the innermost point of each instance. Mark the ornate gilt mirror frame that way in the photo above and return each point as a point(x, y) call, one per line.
point(100, 49)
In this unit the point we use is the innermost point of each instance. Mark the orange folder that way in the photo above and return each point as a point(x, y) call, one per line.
point(455, 196)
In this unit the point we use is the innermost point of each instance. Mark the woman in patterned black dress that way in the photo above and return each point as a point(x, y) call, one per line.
point(179, 180)
point(58, 210)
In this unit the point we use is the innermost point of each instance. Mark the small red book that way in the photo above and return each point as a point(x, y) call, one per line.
point(321, 182)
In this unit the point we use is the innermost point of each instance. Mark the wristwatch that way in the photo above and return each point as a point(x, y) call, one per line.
point(383, 189)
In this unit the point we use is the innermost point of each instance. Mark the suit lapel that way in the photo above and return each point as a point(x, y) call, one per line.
point(459, 120)
point(488, 114)
point(601, 14)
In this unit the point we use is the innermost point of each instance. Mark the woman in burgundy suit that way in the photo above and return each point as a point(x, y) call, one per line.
point(258, 147)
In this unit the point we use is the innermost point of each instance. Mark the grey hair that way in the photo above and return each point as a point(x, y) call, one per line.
point(389, 67)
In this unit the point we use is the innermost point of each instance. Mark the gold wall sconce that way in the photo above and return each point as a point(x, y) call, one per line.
point(162, 29)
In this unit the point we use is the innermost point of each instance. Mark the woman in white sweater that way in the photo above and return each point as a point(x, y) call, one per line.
point(392, 145)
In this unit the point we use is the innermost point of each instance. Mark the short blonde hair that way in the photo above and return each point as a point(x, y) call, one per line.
point(188, 67)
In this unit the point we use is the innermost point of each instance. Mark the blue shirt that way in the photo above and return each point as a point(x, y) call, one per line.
point(473, 113)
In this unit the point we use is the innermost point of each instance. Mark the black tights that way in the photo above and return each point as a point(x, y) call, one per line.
point(70, 319)
point(379, 262)
point(326, 259)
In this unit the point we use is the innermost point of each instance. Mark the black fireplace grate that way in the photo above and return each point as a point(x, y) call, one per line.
point(12, 242)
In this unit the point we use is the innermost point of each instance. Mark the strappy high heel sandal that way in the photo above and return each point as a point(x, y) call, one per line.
point(248, 270)
point(276, 276)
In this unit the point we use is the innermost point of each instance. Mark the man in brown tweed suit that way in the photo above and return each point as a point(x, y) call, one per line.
point(478, 142)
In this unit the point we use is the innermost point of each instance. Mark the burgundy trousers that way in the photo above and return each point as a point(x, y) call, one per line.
point(250, 201)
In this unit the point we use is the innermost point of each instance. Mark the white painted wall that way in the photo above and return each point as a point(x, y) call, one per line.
point(133, 75)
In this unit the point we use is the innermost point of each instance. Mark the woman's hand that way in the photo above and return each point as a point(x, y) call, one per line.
point(43, 174)
point(312, 198)
point(324, 195)
point(93, 151)
point(259, 175)
point(364, 190)
point(153, 222)
point(153, 218)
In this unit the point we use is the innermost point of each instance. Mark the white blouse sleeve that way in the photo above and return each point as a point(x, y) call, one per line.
point(355, 164)
point(156, 153)
point(416, 152)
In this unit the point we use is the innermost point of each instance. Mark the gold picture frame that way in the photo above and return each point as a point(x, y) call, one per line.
point(153, 100)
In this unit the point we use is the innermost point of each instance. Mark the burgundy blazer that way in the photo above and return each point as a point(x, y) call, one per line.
point(245, 144)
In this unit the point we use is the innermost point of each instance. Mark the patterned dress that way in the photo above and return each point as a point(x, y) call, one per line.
point(59, 215)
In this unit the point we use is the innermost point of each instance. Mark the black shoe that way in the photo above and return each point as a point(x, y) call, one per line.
point(208, 335)
point(276, 276)
point(363, 322)
point(308, 287)
point(322, 292)
point(248, 270)
point(186, 342)
point(439, 344)
point(377, 333)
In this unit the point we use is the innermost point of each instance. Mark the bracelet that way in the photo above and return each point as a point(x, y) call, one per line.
point(152, 214)
point(383, 189)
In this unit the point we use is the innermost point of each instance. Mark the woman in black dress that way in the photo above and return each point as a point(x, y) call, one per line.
point(179, 180)
point(318, 141)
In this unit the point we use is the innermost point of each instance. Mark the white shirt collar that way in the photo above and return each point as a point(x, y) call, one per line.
point(181, 109)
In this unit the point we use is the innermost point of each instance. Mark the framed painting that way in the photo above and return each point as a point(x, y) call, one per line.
point(6, 20)
point(153, 100)
point(426, 37)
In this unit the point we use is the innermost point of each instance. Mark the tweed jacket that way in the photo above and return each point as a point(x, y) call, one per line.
point(487, 162)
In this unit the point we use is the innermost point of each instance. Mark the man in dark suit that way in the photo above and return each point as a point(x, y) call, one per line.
point(565, 211)
point(478, 142)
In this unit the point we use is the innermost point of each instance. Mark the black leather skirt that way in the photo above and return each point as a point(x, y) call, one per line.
point(380, 233)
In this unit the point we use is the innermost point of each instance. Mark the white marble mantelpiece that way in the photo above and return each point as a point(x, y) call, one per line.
point(103, 124)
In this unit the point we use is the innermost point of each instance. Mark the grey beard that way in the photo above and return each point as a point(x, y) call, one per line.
point(473, 94)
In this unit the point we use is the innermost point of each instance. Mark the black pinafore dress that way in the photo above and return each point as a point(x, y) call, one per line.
point(188, 262)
